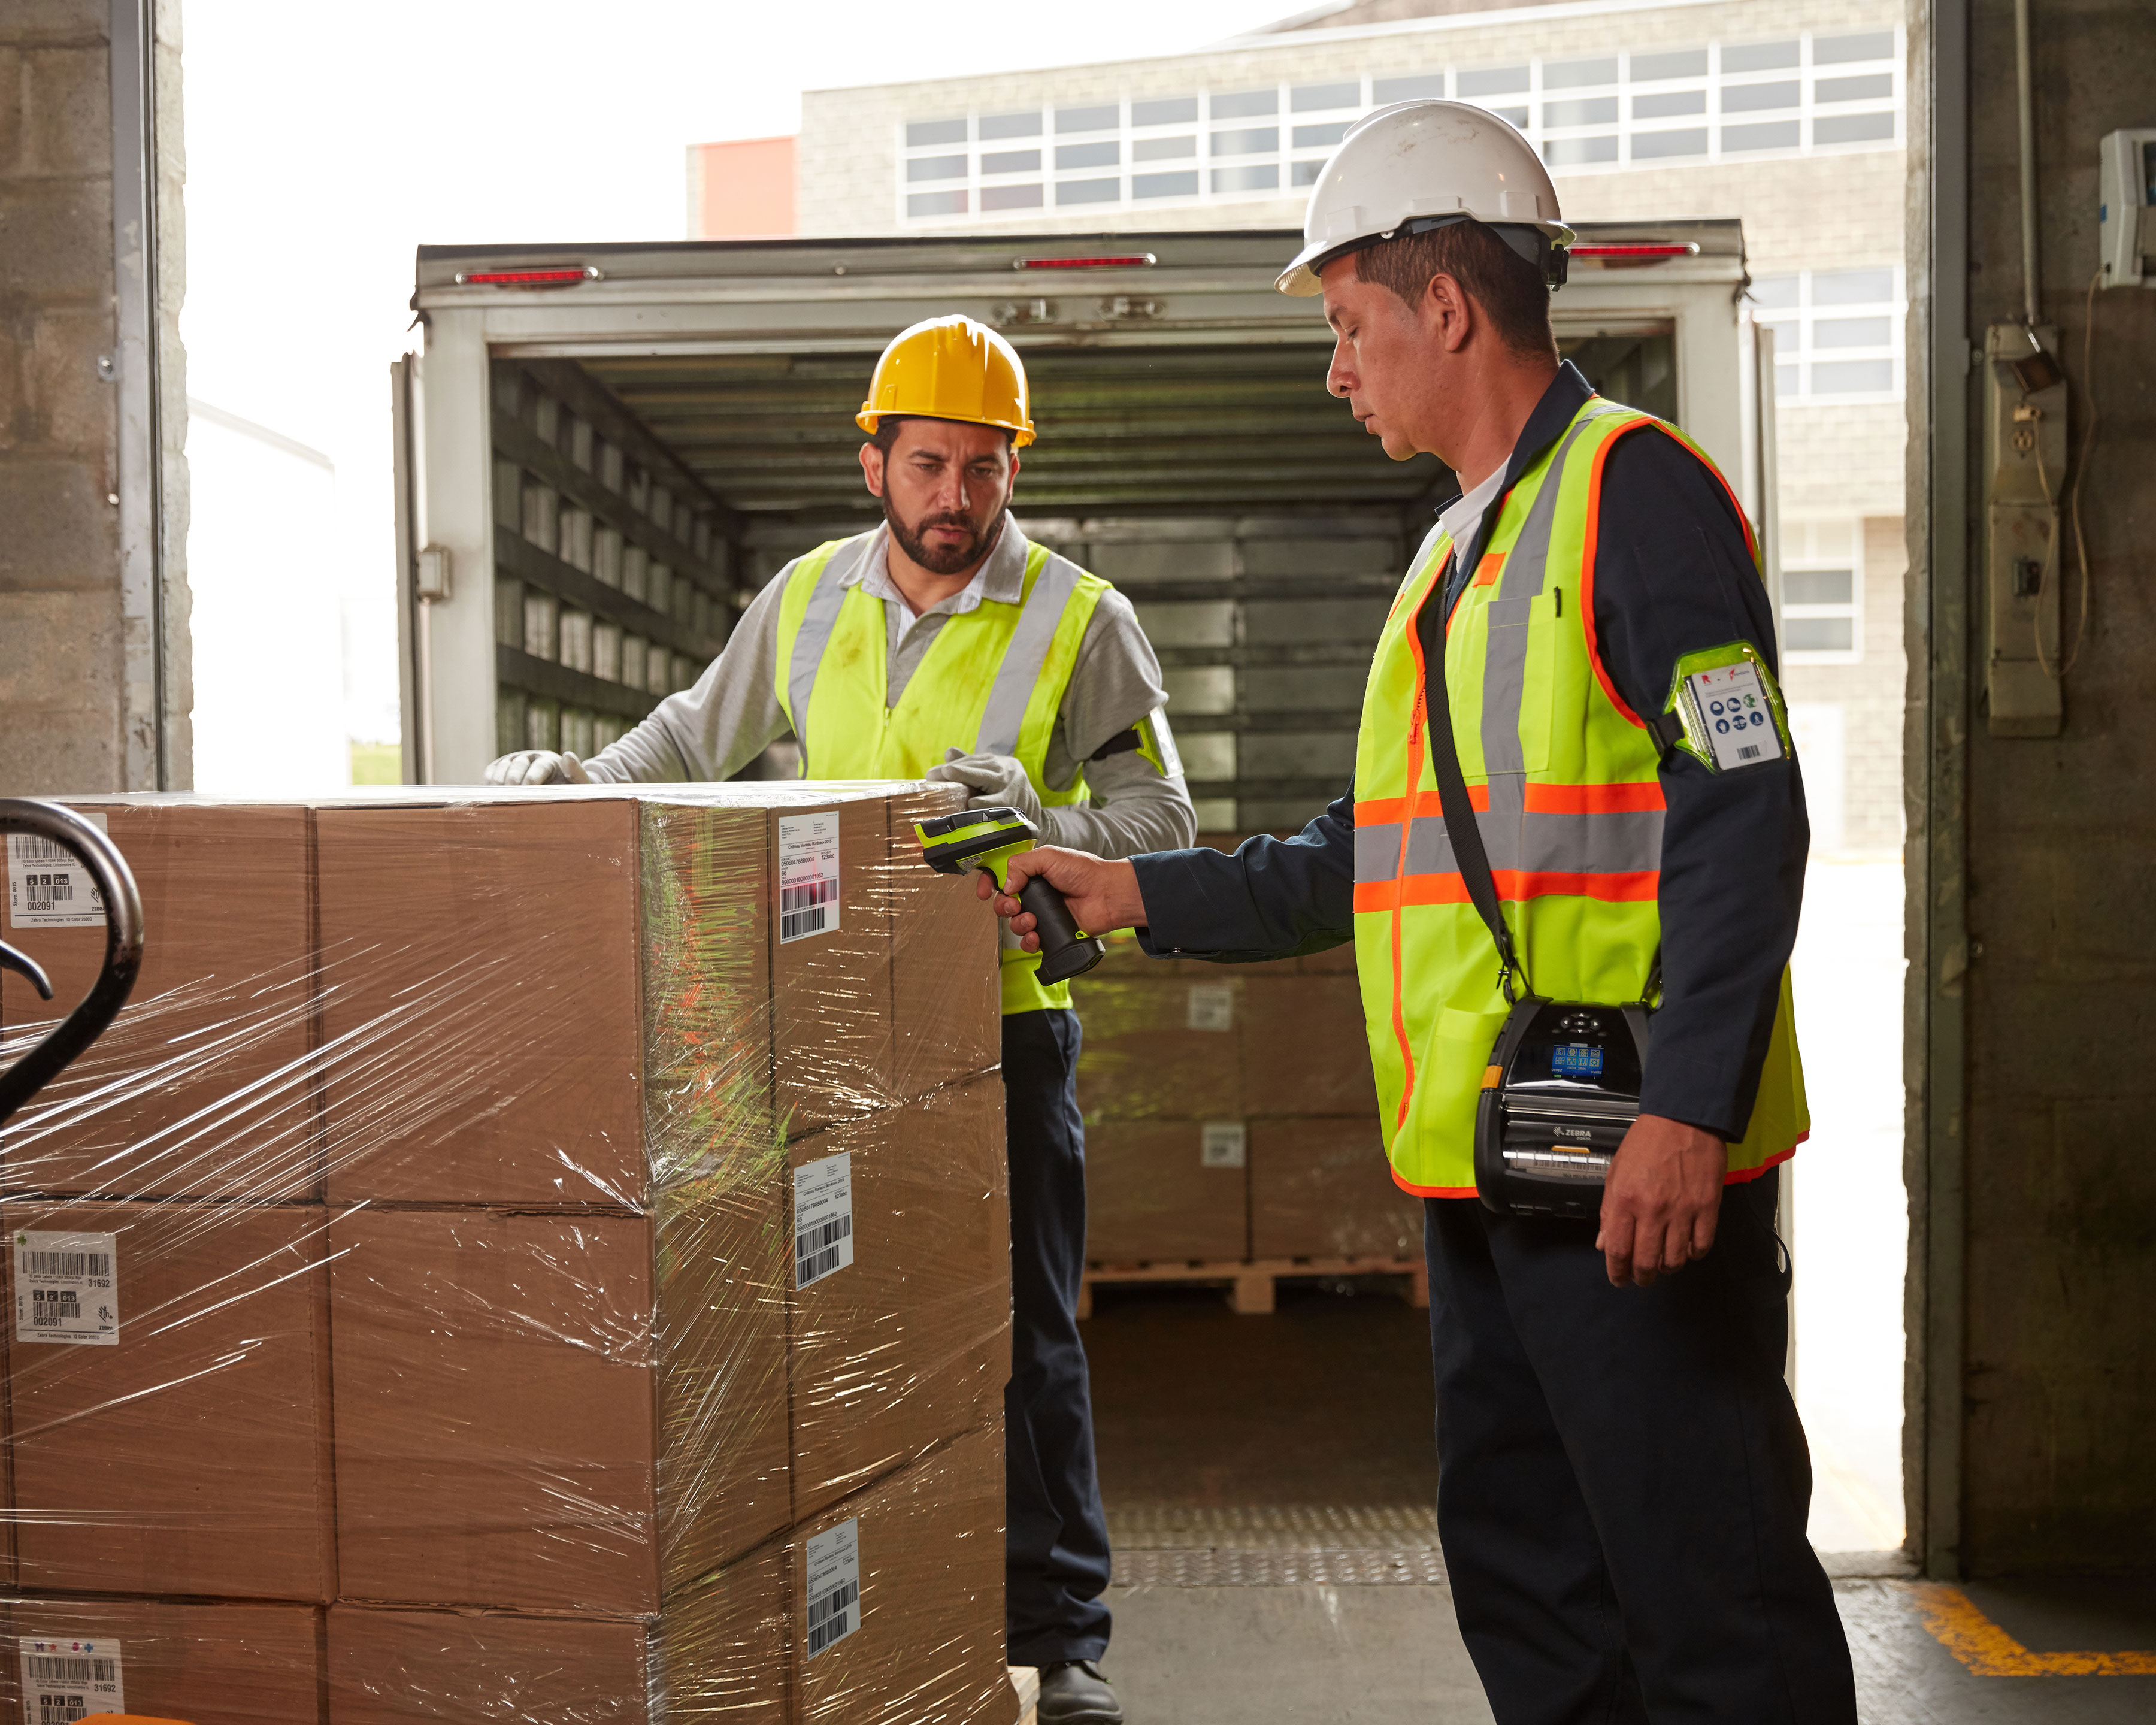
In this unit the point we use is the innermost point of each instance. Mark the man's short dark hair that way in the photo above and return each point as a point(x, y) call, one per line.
point(1506, 288)
point(886, 432)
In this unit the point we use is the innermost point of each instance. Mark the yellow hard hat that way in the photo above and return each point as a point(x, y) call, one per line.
point(950, 368)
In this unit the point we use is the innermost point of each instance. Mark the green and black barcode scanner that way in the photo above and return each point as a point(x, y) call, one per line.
point(985, 839)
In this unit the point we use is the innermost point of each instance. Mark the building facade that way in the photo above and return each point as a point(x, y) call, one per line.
point(1787, 113)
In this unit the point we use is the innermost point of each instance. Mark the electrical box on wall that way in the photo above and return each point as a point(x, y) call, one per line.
point(2025, 469)
point(2126, 211)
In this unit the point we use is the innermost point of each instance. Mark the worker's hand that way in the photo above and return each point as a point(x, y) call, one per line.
point(1103, 896)
point(991, 780)
point(1662, 1200)
point(536, 766)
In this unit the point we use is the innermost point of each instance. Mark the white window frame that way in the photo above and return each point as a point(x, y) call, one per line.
point(1799, 554)
point(1807, 111)
point(1794, 361)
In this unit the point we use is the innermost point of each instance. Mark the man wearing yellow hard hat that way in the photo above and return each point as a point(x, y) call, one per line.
point(944, 644)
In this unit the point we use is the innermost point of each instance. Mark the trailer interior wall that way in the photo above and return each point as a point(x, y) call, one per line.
point(2033, 955)
point(1188, 452)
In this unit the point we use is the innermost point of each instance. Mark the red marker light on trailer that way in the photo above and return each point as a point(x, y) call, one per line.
point(567, 276)
point(1127, 260)
point(1632, 253)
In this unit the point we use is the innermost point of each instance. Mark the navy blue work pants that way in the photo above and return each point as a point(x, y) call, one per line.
point(1056, 1542)
point(1623, 1482)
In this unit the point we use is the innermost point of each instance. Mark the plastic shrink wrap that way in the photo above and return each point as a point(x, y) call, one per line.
point(541, 1256)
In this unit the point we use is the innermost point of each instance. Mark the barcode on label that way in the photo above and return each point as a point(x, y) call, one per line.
point(801, 908)
point(46, 891)
point(69, 1668)
point(30, 849)
point(41, 1267)
point(1750, 752)
point(63, 1709)
point(831, 1618)
point(817, 1252)
point(51, 1307)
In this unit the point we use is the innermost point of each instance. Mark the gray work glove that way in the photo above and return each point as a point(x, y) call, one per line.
point(536, 766)
point(993, 780)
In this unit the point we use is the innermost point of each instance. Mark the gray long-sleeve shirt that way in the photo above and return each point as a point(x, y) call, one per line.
point(732, 713)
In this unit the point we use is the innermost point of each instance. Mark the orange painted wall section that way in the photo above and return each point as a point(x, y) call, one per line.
point(742, 190)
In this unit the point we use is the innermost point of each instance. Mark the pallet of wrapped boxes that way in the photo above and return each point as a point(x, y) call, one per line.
point(1231, 1127)
point(535, 1256)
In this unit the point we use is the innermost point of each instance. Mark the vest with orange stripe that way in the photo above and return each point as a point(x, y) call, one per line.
point(1565, 781)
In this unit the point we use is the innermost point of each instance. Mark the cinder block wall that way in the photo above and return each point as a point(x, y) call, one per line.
point(68, 716)
point(2060, 1386)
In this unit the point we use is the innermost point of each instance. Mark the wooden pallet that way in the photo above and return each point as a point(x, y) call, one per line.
point(1026, 1682)
point(1250, 1283)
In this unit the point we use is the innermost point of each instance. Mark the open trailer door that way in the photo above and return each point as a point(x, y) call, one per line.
point(615, 447)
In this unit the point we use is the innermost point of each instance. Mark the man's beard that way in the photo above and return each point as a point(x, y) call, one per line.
point(944, 560)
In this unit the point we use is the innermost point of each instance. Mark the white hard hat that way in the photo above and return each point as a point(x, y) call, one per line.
point(1415, 166)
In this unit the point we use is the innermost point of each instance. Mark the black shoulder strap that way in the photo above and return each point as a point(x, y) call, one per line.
point(1461, 826)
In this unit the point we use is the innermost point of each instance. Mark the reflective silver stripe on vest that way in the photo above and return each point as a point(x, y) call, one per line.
point(1505, 656)
point(1019, 674)
point(814, 635)
point(1624, 841)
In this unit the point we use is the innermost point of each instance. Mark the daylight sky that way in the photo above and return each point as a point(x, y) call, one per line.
point(324, 143)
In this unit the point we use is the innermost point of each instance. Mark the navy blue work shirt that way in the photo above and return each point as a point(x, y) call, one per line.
point(1672, 575)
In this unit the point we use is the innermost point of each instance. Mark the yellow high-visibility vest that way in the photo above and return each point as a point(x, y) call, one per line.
point(991, 683)
point(1565, 780)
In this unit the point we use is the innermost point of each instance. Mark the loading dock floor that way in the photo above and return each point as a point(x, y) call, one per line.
point(1268, 1482)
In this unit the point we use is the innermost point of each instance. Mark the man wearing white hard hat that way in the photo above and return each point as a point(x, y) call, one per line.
point(1571, 863)
point(944, 644)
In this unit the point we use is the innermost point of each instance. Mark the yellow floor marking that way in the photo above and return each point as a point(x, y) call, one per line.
point(1988, 1652)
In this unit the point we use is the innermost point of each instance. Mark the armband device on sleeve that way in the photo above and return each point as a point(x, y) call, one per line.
point(1725, 709)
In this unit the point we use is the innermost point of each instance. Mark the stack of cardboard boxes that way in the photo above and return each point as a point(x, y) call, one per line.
point(542, 1257)
point(1231, 1115)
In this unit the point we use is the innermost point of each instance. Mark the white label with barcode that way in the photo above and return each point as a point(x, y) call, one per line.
point(64, 1681)
point(1212, 1006)
point(1223, 1143)
point(1738, 716)
point(48, 887)
point(67, 1288)
point(807, 875)
point(835, 1586)
point(823, 1218)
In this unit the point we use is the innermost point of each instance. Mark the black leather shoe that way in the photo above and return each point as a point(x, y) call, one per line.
point(1076, 1693)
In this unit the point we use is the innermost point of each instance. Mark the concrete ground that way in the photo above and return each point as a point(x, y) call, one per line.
point(1268, 1483)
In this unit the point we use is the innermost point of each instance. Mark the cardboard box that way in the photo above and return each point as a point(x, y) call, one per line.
point(1159, 1048)
point(887, 1607)
point(1151, 1197)
point(1321, 1188)
point(945, 991)
point(927, 1628)
point(718, 1652)
point(218, 1664)
point(560, 1414)
point(1305, 1050)
point(191, 1454)
point(572, 999)
point(900, 1335)
point(218, 1098)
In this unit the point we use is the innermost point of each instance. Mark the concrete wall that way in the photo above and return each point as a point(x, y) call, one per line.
point(2056, 1182)
point(77, 710)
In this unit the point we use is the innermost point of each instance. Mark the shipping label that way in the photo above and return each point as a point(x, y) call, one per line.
point(1212, 1006)
point(835, 1586)
point(1223, 1143)
point(823, 1218)
point(807, 875)
point(67, 1288)
point(48, 887)
point(64, 1681)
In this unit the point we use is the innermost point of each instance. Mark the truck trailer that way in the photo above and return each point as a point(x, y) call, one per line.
point(603, 451)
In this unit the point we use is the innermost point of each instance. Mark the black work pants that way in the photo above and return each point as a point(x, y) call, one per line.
point(1057, 1539)
point(1622, 1480)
